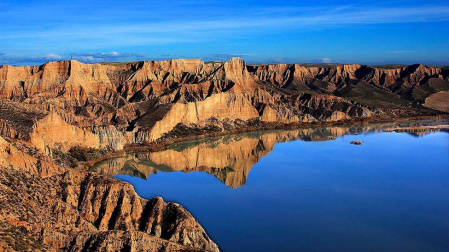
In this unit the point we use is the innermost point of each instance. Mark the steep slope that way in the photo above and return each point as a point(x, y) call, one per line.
point(115, 105)
point(59, 209)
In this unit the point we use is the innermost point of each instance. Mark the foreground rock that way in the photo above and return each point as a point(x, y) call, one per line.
point(79, 211)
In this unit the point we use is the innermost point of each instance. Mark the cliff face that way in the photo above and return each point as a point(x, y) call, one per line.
point(341, 75)
point(64, 209)
point(114, 105)
point(49, 110)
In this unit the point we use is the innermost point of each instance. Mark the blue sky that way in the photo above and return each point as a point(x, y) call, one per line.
point(365, 32)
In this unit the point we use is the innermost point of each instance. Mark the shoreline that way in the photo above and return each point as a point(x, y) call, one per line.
point(419, 129)
point(163, 144)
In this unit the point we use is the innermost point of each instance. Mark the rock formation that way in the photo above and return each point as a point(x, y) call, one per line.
point(105, 105)
point(61, 209)
point(48, 111)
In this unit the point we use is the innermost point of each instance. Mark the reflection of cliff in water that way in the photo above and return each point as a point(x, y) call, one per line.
point(228, 158)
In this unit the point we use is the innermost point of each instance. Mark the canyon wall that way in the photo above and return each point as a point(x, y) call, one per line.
point(112, 105)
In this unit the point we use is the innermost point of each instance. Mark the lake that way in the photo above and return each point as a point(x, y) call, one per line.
point(305, 189)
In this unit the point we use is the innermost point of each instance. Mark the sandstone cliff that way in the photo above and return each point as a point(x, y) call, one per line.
point(59, 209)
point(109, 106)
point(51, 110)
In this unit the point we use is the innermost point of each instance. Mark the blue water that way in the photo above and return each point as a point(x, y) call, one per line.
point(389, 194)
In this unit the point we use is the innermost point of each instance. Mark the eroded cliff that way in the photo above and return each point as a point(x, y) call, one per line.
point(111, 105)
point(49, 112)
point(60, 209)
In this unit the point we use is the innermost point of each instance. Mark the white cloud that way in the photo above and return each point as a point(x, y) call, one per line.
point(29, 60)
point(326, 60)
point(226, 56)
point(278, 60)
point(52, 56)
point(95, 57)
point(92, 57)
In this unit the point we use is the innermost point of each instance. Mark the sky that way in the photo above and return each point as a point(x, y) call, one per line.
point(319, 31)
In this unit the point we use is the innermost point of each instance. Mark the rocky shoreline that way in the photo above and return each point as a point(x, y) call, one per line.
point(163, 144)
point(418, 129)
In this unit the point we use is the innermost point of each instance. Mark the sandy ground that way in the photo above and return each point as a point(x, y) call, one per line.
point(438, 101)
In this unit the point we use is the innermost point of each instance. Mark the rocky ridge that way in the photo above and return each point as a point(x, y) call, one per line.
point(63, 209)
point(105, 105)
point(48, 111)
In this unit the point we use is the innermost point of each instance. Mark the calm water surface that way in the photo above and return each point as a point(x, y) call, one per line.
point(293, 191)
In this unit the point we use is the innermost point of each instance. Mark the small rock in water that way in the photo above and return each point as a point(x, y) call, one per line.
point(356, 142)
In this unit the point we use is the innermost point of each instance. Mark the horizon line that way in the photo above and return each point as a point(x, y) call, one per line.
point(223, 61)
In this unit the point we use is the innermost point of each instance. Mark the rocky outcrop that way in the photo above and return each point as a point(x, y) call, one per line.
point(78, 211)
point(49, 110)
point(332, 78)
point(109, 106)
point(53, 132)
point(223, 106)
point(71, 79)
